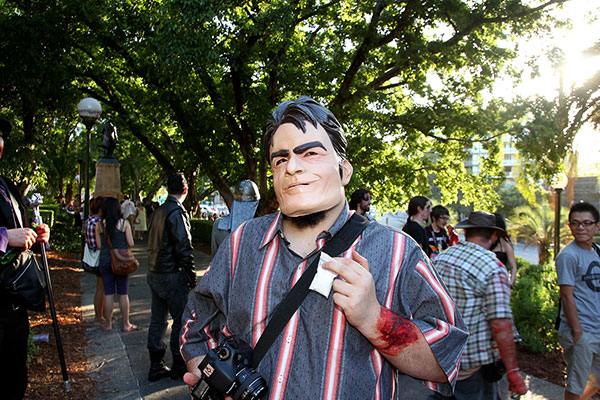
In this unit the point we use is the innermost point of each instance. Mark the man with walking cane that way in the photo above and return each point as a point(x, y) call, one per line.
point(14, 323)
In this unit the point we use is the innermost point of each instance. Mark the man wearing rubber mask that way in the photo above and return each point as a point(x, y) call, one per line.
point(387, 313)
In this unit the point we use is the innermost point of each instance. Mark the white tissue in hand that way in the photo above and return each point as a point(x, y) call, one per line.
point(323, 280)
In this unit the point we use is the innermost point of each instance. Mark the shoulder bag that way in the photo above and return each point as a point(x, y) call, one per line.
point(122, 261)
point(22, 280)
point(91, 259)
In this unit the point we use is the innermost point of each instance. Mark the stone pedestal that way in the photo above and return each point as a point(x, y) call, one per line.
point(108, 178)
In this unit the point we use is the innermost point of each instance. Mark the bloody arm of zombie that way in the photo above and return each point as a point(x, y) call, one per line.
point(396, 338)
point(503, 334)
point(568, 304)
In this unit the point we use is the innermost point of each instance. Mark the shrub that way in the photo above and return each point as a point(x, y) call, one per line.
point(66, 237)
point(534, 305)
point(201, 230)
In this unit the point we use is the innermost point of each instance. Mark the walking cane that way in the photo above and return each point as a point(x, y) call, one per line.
point(34, 201)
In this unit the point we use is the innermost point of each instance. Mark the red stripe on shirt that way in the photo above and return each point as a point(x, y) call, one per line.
point(436, 334)
point(236, 238)
point(336, 343)
point(186, 329)
point(446, 300)
point(260, 305)
point(286, 351)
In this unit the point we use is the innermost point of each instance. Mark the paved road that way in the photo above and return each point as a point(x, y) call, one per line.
point(120, 360)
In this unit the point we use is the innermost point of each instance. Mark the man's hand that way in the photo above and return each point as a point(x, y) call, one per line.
point(577, 335)
point(193, 375)
point(516, 383)
point(43, 233)
point(21, 237)
point(355, 292)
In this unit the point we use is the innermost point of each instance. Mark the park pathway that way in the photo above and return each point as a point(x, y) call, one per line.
point(120, 363)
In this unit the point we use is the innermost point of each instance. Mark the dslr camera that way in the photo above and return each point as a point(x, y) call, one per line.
point(225, 370)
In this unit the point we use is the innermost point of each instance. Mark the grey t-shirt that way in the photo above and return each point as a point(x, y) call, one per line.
point(580, 268)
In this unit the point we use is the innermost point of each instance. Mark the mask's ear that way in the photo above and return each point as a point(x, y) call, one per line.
point(347, 170)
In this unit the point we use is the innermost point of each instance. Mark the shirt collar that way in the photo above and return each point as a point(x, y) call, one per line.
point(475, 246)
point(276, 227)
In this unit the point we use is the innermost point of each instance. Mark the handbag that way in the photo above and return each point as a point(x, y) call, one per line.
point(22, 281)
point(91, 259)
point(122, 261)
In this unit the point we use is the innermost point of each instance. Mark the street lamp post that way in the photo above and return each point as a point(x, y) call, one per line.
point(89, 110)
point(560, 182)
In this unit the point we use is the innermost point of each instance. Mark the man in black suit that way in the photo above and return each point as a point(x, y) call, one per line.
point(14, 322)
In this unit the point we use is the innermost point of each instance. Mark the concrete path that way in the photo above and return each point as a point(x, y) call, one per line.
point(120, 360)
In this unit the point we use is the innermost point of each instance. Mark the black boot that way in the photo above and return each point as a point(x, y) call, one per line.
point(158, 369)
point(178, 369)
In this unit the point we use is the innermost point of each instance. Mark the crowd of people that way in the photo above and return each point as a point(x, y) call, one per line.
point(384, 306)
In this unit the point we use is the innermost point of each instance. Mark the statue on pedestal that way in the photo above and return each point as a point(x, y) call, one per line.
point(110, 139)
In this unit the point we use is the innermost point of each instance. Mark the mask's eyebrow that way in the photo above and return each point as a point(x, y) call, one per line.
point(303, 147)
point(280, 153)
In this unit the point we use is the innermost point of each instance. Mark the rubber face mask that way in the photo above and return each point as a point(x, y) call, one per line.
point(306, 171)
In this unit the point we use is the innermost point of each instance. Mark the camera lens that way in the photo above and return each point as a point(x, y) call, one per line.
point(252, 385)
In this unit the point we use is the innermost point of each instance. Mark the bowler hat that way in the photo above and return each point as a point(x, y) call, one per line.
point(480, 219)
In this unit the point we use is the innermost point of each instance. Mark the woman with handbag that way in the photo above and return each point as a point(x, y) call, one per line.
point(91, 257)
point(118, 232)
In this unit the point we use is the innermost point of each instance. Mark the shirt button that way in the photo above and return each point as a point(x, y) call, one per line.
point(280, 378)
point(288, 339)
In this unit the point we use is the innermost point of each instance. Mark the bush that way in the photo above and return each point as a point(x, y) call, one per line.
point(65, 237)
point(534, 305)
point(201, 230)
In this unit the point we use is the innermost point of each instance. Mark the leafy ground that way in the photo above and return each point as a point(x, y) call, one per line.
point(45, 378)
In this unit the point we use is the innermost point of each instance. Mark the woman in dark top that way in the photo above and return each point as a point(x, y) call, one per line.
point(505, 252)
point(437, 236)
point(419, 208)
point(119, 232)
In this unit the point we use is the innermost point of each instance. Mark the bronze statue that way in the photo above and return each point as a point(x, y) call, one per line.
point(110, 140)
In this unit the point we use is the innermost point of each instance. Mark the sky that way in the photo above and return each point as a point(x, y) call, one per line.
point(578, 67)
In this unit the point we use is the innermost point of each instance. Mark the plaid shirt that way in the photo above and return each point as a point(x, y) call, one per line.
point(478, 283)
point(319, 355)
point(90, 232)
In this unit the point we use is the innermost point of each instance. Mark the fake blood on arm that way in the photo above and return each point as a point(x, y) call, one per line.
point(394, 333)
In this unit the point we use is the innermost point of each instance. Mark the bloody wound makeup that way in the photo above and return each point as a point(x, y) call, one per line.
point(395, 333)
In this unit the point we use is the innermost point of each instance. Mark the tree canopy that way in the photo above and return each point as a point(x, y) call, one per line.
point(190, 84)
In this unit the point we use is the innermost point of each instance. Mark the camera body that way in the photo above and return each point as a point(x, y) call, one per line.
point(225, 370)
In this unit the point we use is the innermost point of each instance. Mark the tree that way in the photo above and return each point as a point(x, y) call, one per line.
point(193, 82)
point(535, 225)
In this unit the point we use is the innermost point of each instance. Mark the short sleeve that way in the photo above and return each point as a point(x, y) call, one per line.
point(566, 265)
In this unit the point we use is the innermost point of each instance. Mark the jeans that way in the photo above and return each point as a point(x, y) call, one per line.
point(169, 296)
point(473, 388)
point(14, 332)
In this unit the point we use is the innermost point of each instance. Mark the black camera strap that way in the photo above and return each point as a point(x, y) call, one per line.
point(334, 247)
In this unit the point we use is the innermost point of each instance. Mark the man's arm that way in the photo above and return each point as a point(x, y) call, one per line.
point(568, 304)
point(182, 243)
point(502, 331)
point(397, 339)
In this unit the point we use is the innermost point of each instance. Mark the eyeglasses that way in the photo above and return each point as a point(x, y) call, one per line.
point(445, 218)
point(578, 224)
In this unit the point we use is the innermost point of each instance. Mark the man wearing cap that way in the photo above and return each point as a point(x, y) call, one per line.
point(478, 282)
point(245, 203)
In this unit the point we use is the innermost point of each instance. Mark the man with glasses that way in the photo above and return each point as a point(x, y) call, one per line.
point(578, 272)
